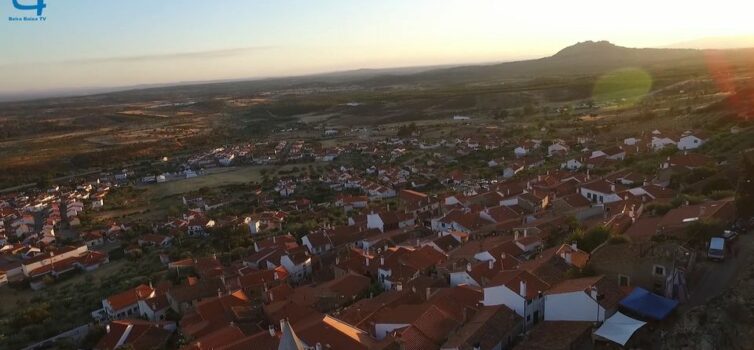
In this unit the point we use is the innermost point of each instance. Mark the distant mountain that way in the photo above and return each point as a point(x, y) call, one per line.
point(587, 58)
point(718, 42)
point(584, 58)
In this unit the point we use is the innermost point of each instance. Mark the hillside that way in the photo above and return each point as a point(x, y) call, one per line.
point(585, 58)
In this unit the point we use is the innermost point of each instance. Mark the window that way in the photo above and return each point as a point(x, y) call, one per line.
point(624, 281)
point(659, 270)
point(602, 199)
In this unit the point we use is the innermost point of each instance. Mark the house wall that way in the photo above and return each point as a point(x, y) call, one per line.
point(639, 271)
point(502, 295)
point(375, 221)
point(575, 306)
point(572, 165)
point(458, 278)
point(606, 197)
point(27, 268)
point(438, 225)
point(297, 272)
point(689, 142)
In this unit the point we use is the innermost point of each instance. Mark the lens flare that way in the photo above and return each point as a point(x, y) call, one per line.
point(723, 74)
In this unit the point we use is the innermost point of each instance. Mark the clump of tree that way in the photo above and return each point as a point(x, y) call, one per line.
point(575, 272)
point(407, 130)
point(589, 240)
point(701, 231)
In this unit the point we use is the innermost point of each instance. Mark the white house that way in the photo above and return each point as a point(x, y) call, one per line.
point(317, 242)
point(583, 299)
point(126, 304)
point(600, 191)
point(631, 141)
point(660, 142)
point(155, 308)
point(572, 164)
point(690, 141)
point(520, 291)
point(374, 221)
point(254, 225)
point(299, 265)
point(513, 168)
point(521, 151)
point(556, 148)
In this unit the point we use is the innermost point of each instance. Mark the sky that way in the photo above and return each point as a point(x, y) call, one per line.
point(113, 43)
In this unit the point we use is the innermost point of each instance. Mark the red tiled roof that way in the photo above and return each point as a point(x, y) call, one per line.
point(511, 280)
point(130, 297)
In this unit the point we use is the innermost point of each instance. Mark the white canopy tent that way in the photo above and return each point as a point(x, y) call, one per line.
point(619, 328)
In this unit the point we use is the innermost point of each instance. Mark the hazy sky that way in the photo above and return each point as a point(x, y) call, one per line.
point(100, 43)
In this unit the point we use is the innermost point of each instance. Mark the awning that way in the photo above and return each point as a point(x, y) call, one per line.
point(619, 328)
point(648, 304)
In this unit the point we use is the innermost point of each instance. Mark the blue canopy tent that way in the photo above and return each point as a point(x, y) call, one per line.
point(649, 305)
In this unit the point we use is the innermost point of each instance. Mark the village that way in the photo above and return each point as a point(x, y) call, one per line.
point(474, 241)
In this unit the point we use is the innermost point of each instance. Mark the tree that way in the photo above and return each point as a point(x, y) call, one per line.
point(701, 231)
point(588, 241)
point(745, 193)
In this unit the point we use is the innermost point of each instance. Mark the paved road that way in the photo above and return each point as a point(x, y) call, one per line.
point(716, 277)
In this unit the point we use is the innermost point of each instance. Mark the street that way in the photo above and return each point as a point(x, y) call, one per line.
point(714, 277)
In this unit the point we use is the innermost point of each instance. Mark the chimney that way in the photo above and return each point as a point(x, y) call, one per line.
point(272, 330)
point(492, 264)
point(399, 287)
point(593, 292)
point(575, 245)
point(428, 293)
point(382, 261)
point(468, 267)
point(366, 260)
point(612, 187)
point(275, 276)
point(567, 257)
point(522, 289)
point(107, 328)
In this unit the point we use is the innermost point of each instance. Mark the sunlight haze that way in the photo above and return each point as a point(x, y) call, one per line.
point(90, 44)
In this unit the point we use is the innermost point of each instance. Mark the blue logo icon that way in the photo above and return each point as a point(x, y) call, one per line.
point(39, 6)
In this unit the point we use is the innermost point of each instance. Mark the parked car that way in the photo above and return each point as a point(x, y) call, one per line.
point(716, 250)
point(729, 235)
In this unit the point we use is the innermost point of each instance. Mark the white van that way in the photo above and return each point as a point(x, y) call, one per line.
point(716, 249)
